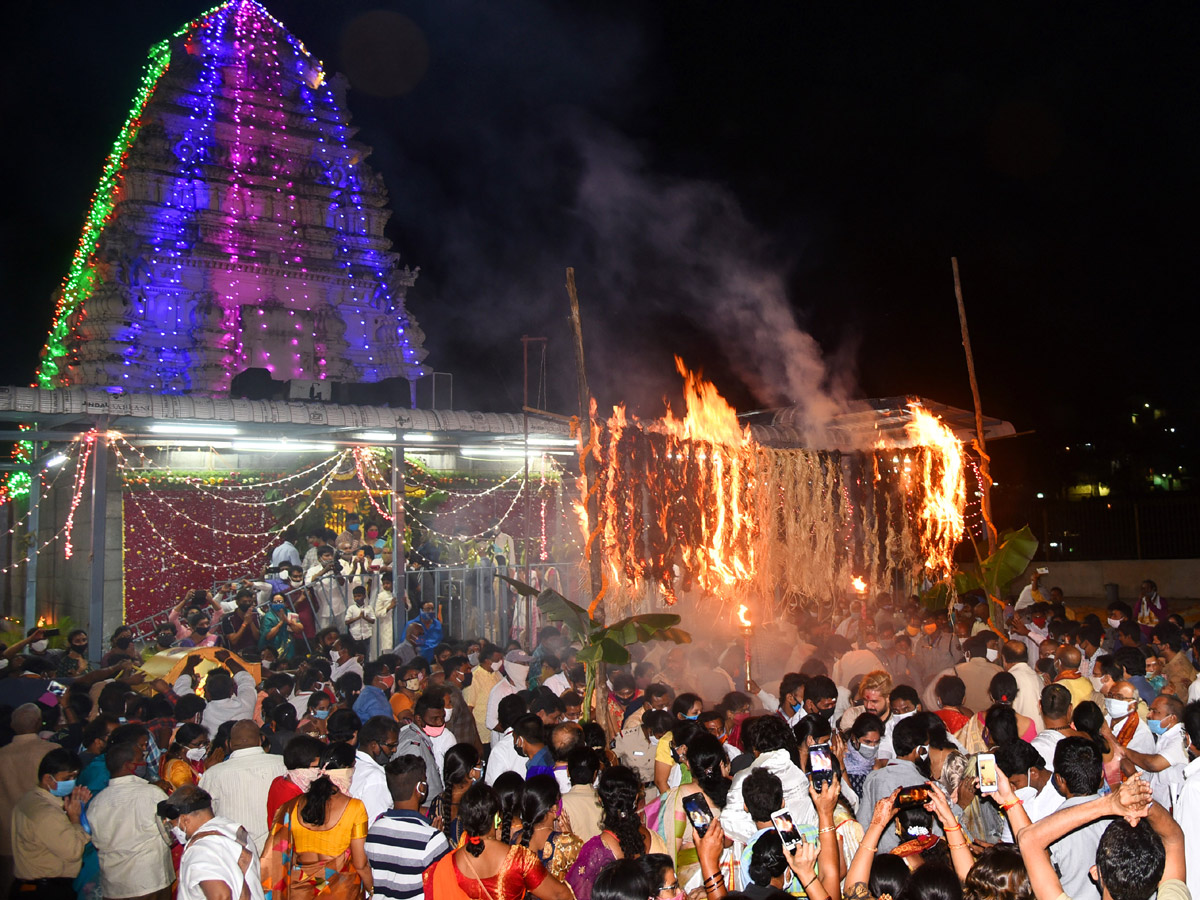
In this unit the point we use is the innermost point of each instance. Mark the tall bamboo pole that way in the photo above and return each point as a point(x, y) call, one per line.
point(979, 442)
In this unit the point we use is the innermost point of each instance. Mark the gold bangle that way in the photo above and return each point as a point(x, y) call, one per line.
point(827, 829)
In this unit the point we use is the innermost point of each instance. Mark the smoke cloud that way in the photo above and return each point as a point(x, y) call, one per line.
point(512, 161)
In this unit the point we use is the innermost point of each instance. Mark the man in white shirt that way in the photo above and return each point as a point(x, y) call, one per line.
point(1056, 716)
point(1167, 763)
point(1131, 733)
point(1015, 658)
point(430, 716)
point(775, 759)
point(515, 671)
point(230, 699)
point(504, 756)
point(330, 592)
point(133, 846)
point(346, 660)
point(378, 739)
point(239, 785)
point(360, 619)
point(219, 857)
point(1187, 803)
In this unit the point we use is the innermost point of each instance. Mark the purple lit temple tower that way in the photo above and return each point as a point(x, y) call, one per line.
point(236, 226)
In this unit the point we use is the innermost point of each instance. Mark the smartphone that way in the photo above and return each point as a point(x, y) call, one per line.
point(820, 765)
point(50, 632)
point(57, 688)
point(914, 796)
point(782, 820)
point(698, 813)
point(1042, 570)
point(989, 783)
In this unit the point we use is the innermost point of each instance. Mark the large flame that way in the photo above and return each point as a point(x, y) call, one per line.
point(709, 417)
point(859, 584)
point(944, 484)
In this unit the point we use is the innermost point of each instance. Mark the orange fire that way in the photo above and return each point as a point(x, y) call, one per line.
point(709, 418)
point(941, 474)
point(858, 584)
point(744, 615)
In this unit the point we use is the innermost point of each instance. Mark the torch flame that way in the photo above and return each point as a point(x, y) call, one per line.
point(41, 621)
point(743, 615)
point(858, 584)
point(941, 473)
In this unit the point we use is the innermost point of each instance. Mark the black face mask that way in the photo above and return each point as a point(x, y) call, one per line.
point(826, 714)
point(201, 629)
point(467, 680)
point(166, 640)
point(81, 649)
point(122, 643)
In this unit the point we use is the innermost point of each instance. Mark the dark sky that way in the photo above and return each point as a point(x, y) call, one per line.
point(709, 168)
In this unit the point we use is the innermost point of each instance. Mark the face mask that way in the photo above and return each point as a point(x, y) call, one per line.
point(912, 630)
point(434, 730)
point(122, 643)
point(992, 654)
point(353, 526)
point(320, 714)
point(1026, 793)
point(381, 757)
point(1117, 709)
point(1114, 623)
point(179, 834)
point(931, 628)
point(466, 682)
point(142, 771)
point(495, 667)
point(62, 788)
point(81, 649)
point(692, 718)
point(448, 711)
point(386, 682)
point(1156, 726)
point(165, 640)
point(923, 751)
point(867, 751)
point(473, 659)
point(201, 630)
point(277, 607)
point(900, 717)
point(39, 646)
point(1039, 621)
point(195, 754)
point(413, 684)
point(826, 714)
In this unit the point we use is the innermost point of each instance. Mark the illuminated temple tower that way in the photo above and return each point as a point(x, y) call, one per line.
point(236, 226)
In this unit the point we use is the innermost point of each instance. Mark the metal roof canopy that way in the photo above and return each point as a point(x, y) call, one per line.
point(868, 422)
point(62, 414)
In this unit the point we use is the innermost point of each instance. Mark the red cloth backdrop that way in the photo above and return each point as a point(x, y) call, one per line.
point(169, 545)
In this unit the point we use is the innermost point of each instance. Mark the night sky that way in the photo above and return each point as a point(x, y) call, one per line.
point(713, 170)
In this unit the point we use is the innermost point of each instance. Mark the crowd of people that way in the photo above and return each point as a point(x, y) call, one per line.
point(900, 752)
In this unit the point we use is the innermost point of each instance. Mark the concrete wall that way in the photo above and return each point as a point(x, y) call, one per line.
point(1177, 579)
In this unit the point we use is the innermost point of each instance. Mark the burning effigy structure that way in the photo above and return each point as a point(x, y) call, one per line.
point(697, 507)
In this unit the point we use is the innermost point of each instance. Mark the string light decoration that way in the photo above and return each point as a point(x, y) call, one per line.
point(88, 442)
point(68, 464)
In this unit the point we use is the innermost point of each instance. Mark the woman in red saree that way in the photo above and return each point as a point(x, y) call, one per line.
point(316, 845)
point(485, 868)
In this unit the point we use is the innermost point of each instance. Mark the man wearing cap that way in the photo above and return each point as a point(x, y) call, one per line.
point(219, 857)
point(515, 671)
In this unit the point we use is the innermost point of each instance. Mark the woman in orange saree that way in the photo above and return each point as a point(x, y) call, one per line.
point(316, 845)
point(485, 868)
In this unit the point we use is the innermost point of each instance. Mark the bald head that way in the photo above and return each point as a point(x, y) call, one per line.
point(1123, 690)
point(245, 734)
point(1068, 657)
point(27, 719)
point(1014, 652)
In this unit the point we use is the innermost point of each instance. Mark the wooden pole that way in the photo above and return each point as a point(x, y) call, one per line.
point(980, 442)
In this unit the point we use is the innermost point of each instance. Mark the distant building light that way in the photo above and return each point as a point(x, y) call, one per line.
point(1054, 544)
point(1042, 496)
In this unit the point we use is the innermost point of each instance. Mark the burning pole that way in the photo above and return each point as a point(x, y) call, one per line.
point(985, 506)
point(744, 618)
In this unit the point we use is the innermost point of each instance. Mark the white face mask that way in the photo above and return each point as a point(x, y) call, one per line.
point(495, 667)
point(1026, 793)
point(195, 754)
point(39, 646)
point(1115, 623)
point(1117, 709)
point(992, 654)
point(179, 834)
point(900, 717)
point(449, 711)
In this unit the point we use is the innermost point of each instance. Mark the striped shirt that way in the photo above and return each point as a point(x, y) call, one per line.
point(401, 845)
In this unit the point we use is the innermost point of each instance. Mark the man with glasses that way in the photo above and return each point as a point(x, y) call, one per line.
point(378, 740)
point(401, 844)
